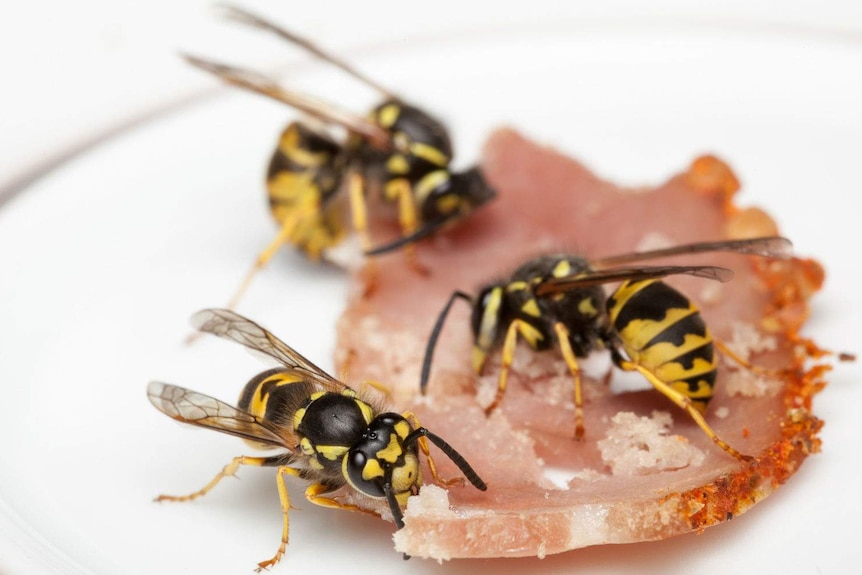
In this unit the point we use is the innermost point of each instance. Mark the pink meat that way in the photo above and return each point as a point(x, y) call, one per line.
point(617, 491)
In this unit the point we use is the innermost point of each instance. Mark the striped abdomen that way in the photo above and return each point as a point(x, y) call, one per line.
point(274, 395)
point(662, 331)
point(304, 175)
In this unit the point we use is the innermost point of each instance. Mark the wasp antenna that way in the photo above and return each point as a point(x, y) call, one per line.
point(245, 17)
point(452, 454)
point(435, 333)
point(422, 233)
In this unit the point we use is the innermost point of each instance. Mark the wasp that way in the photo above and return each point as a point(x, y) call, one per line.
point(405, 150)
point(328, 433)
point(647, 325)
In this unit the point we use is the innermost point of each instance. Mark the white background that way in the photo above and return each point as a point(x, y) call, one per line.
point(80, 72)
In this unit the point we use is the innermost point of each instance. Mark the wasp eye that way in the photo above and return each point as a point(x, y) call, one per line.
point(364, 474)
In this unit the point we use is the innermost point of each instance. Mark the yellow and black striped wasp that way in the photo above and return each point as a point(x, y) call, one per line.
point(329, 434)
point(405, 149)
point(648, 326)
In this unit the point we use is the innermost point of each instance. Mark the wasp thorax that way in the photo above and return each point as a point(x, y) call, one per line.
point(329, 424)
point(380, 457)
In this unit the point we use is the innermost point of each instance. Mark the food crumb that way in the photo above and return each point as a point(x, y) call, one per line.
point(431, 500)
point(637, 445)
point(746, 339)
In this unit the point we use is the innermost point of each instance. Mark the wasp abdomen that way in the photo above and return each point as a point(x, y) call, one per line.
point(661, 330)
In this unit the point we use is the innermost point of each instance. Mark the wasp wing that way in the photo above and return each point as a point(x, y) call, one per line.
point(232, 326)
point(768, 246)
point(245, 17)
point(596, 277)
point(256, 82)
point(195, 408)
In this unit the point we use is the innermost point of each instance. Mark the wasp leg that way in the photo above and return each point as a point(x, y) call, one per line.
point(359, 213)
point(759, 370)
point(423, 445)
point(572, 362)
point(229, 470)
point(380, 387)
point(284, 498)
point(312, 494)
point(529, 333)
point(284, 234)
point(402, 191)
point(686, 404)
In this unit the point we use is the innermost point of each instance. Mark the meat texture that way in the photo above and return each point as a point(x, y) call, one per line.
point(643, 470)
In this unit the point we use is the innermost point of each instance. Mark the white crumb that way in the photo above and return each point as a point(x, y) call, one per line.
point(432, 501)
point(637, 445)
point(746, 339)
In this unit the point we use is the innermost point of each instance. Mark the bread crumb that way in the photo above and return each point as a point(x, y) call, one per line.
point(641, 445)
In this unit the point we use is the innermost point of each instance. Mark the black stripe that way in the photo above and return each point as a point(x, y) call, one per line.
point(687, 359)
point(650, 303)
point(674, 334)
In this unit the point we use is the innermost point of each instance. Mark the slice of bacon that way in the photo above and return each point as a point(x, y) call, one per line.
point(644, 471)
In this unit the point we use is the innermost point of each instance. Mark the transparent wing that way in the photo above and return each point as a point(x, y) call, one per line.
point(596, 277)
point(232, 326)
point(245, 17)
point(769, 246)
point(204, 411)
point(256, 82)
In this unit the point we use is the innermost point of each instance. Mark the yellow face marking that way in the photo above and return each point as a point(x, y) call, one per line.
point(403, 429)
point(490, 318)
point(391, 452)
point(372, 469)
point(531, 308)
point(406, 476)
point(388, 115)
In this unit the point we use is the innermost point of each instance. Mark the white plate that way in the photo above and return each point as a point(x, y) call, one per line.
point(103, 260)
